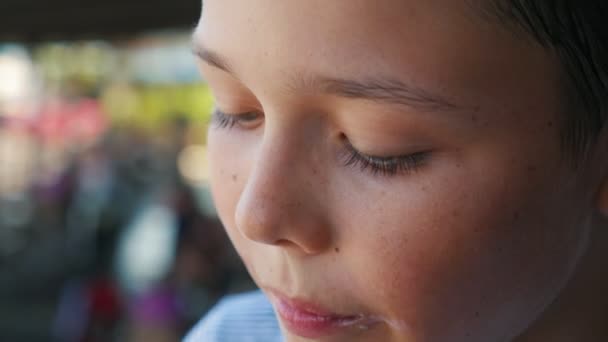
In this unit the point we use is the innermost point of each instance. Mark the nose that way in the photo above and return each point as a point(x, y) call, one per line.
point(282, 201)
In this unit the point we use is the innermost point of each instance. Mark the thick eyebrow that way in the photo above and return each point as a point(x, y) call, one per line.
point(378, 89)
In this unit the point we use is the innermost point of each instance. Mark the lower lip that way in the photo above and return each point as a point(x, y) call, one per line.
point(313, 325)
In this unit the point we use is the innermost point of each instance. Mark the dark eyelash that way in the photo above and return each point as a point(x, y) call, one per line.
point(389, 166)
point(222, 120)
point(228, 120)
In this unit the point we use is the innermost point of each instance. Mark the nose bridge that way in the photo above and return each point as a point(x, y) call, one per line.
point(278, 205)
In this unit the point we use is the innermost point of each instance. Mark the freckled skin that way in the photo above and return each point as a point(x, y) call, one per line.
point(474, 245)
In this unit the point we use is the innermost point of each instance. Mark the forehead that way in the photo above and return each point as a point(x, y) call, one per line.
point(350, 30)
point(448, 45)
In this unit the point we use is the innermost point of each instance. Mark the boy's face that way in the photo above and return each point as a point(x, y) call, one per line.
point(482, 223)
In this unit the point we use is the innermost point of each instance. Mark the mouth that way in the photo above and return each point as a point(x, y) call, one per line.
point(309, 320)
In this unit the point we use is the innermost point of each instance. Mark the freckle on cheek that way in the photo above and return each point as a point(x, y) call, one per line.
point(235, 177)
point(337, 250)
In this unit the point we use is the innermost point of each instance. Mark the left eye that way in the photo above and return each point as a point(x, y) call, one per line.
point(384, 166)
point(228, 120)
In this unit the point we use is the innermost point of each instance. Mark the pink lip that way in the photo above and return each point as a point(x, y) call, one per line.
point(311, 321)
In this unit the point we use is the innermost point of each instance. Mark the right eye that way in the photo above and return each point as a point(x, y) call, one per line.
point(245, 120)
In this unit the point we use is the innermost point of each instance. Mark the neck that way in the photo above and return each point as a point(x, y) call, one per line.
point(580, 313)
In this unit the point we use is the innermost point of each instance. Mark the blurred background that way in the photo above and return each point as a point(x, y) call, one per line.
point(107, 232)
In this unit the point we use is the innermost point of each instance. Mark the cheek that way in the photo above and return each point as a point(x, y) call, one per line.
point(221, 165)
point(228, 172)
point(473, 255)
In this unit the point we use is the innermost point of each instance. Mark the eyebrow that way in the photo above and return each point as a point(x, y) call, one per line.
point(385, 90)
point(377, 89)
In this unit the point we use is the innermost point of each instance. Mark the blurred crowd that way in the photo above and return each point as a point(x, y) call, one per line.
point(118, 244)
point(107, 232)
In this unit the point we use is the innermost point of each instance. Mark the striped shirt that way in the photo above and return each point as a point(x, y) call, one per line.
point(245, 317)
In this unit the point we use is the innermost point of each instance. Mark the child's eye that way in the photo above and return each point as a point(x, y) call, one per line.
point(228, 120)
point(384, 166)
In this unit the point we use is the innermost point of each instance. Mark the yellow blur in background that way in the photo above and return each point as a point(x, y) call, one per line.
point(107, 232)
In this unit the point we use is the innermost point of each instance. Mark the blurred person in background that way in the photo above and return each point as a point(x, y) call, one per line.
point(89, 154)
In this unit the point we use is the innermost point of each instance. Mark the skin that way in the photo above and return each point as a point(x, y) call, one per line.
point(492, 237)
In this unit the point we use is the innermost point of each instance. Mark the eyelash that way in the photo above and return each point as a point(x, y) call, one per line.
point(377, 166)
point(384, 166)
point(229, 120)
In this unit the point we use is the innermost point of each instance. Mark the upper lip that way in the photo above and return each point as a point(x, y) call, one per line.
point(313, 308)
point(308, 319)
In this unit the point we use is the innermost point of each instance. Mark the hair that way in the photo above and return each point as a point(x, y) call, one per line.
point(576, 31)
